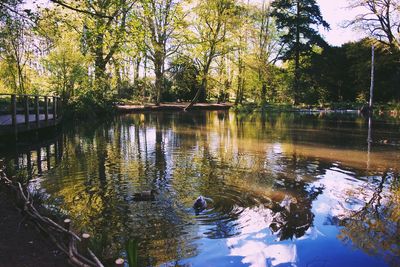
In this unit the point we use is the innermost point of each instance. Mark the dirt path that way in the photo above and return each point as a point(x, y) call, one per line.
point(21, 244)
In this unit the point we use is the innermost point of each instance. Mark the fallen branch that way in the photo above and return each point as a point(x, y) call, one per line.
point(63, 238)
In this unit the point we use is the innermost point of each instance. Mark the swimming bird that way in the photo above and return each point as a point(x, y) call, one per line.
point(200, 204)
point(144, 196)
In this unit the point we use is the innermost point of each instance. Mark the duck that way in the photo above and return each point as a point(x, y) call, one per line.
point(200, 204)
point(144, 196)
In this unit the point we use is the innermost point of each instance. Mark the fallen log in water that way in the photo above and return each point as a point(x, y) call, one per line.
point(63, 237)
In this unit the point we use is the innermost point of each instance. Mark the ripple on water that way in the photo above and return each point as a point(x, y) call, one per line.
point(231, 213)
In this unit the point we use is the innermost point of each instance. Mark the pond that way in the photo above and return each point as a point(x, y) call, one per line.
point(284, 189)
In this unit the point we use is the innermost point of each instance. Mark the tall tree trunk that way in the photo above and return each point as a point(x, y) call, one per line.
point(239, 91)
point(137, 67)
point(117, 69)
point(297, 56)
point(145, 65)
point(21, 83)
point(201, 94)
point(222, 75)
point(158, 83)
point(203, 90)
point(99, 54)
point(263, 93)
point(99, 64)
point(242, 86)
point(159, 72)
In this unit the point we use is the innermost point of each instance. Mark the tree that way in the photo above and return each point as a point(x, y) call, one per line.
point(184, 79)
point(162, 19)
point(387, 76)
point(266, 46)
point(15, 44)
point(296, 19)
point(212, 21)
point(104, 25)
point(242, 38)
point(328, 77)
point(66, 66)
point(381, 20)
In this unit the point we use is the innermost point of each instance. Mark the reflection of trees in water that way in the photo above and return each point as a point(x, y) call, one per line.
point(375, 227)
point(29, 160)
point(160, 161)
point(235, 181)
point(184, 155)
point(294, 217)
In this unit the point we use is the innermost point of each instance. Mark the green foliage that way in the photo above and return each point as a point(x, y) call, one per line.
point(185, 81)
point(66, 66)
point(93, 52)
point(16, 51)
point(298, 17)
point(163, 20)
point(89, 104)
point(214, 22)
point(297, 20)
point(343, 74)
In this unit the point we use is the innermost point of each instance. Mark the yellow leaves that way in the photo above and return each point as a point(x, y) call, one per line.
point(395, 197)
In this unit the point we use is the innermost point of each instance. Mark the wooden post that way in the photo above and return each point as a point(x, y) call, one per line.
point(59, 107)
point(14, 112)
point(67, 224)
point(29, 162)
point(84, 243)
point(60, 147)
point(48, 157)
point(56, 152)
point(37, 111)
point(46, 108)
point(371, 89)
point(54, 108)
point(26, 100)
point(39, 160)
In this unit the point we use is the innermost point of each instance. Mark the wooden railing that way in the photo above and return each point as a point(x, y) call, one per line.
point(28, 112)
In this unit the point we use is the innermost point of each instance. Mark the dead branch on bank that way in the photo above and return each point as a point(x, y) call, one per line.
point(65, 239)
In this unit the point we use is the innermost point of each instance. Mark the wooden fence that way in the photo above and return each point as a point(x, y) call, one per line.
point(21, 113)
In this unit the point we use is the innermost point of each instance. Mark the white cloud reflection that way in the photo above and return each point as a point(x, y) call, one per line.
point(254, 223)
point(260, 254)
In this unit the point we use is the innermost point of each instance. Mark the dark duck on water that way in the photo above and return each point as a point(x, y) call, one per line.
point(144, 196)
point(200, 204)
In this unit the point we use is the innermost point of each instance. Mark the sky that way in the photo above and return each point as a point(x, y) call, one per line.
point(335, 13)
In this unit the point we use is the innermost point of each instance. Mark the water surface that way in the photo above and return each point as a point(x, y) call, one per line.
point(284, 189)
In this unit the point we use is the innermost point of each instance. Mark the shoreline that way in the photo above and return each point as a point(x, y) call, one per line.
point(173, 106)
point(21, 243)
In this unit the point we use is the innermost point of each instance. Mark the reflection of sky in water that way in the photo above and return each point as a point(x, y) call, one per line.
point(255, 244)
point(258, 246)
point(259, 254)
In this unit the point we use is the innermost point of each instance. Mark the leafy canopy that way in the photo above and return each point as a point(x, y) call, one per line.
point(298, 17)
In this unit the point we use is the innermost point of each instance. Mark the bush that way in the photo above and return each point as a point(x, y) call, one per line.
point(89, 104)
